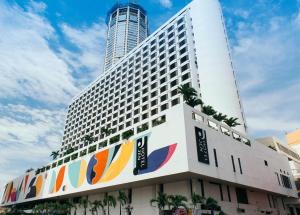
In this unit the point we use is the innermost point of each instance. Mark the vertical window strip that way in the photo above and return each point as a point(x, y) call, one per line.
point(130, 195)
point(283, 205)
point(269, 200)
point(228, 193)
point(191, 186)
point(241, 171)
point(274, 201)
point(161, 188)
point(202, 187)
point(216, 158)
point(221, 192)
point(233, 165)
point(278, 178)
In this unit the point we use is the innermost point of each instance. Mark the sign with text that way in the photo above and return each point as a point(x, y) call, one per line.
point(141, 153)
point(202, 149)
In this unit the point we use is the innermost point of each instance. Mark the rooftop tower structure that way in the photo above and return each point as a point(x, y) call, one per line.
point(127, 27)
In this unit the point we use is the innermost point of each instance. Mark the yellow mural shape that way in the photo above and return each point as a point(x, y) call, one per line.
point(83, 167)
point(39, 184)
point(118, 165)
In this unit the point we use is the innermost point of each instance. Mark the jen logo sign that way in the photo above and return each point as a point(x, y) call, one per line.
point(201, 142)
point(141, 153)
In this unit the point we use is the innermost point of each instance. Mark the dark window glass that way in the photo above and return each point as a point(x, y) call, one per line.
point(216, 158)
point(233, 164)
point(185, 67)
point(241, 195)
point(240, 165)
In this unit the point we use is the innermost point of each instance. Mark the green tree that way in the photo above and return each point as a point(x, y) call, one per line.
point(197, 199)
point(212, 205)
point(161, 201)
point(109, 201)
point(95, 205)
point(54, 154)
point(232, 122)
point(194, 101)
point(187, 92)
point(69, 150)
point(127, 134)
point(123, 199)
point(83, 202)
point(88, 139)
point(189, 95)
point(177, 201)
point(208, 110)
point(220, 117)
point(106, 131)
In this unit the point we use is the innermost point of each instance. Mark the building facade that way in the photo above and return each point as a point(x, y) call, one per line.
point(186, 152)
point(127, 27)
point(294, 161)
point(185, 50)
point(171, 147)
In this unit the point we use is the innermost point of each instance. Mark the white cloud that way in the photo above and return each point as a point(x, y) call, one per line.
point(29, 68)
point(90, 41)
point(166, 3)
point(27, 136)
point(267, 60)
point(37, 7)
point(40, 79)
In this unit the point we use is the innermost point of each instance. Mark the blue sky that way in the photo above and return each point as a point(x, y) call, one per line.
point(51, 49)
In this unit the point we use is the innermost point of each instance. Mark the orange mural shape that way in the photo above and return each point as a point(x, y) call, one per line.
point(101, 158)
point(60, 178)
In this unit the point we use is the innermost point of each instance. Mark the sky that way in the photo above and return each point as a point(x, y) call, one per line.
point(51, 49)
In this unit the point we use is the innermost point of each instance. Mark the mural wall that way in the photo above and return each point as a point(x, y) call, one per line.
point(126, 162)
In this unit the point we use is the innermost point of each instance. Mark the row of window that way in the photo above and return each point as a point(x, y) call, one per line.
point(138, 88)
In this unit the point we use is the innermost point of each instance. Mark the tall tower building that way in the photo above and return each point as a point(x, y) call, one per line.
point(131, 130)
point(127, 27)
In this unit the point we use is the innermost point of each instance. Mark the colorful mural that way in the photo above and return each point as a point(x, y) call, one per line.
point(102, 167)
point(158, 159)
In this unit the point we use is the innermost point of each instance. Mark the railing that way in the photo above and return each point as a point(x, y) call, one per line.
point(219, 127)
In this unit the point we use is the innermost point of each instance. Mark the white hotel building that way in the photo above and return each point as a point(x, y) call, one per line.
point(186, 150)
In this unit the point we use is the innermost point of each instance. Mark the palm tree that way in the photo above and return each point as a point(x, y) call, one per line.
point(194, 101)
point(109, 201)
point(69, 205)
point(208, 110)
point(95, 205)
point(84, 203)
point(74, 205)
point(212, 205)
point(123, 199)
point(29, 170)
point(187, 92)
point(189, 95)
point(69, 150)
point(161, 200)
point(177, 201)
point(88, 139)
point(197, 199)
point(232, 122)
point(220, 117)
point(106, 131)
point(54, 154)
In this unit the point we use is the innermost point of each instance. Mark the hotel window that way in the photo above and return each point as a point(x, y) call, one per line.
point(216, 158)
point(241, 195)
point(175, 102)
point(240, 165)
point(164, 107)
point(233, 164)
